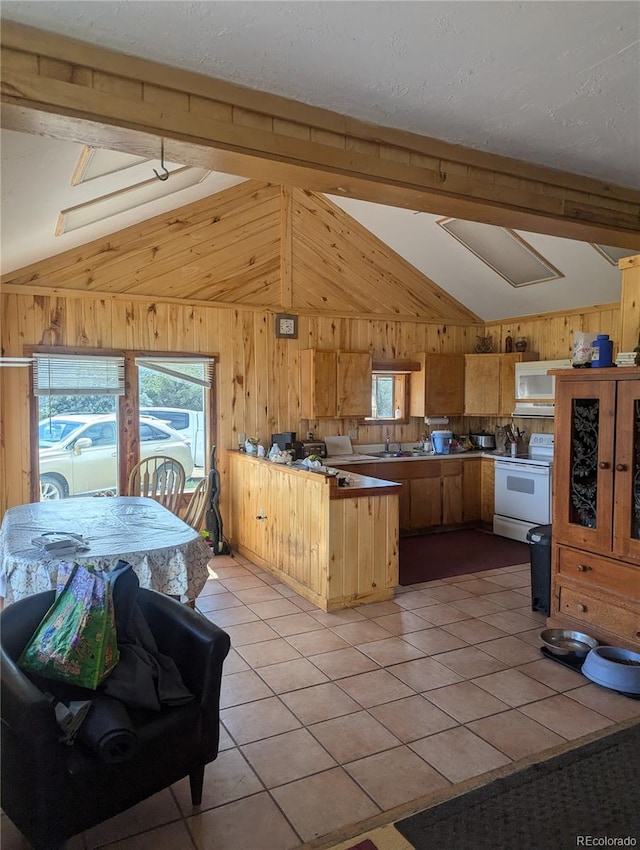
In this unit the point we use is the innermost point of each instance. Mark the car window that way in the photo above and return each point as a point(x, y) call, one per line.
point(50, 432)
point(148, 432)
point(101, 434)
point(178, 421)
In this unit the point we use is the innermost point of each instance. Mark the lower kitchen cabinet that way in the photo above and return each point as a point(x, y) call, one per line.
point(487, 491)
point(442, 492)
point(424, 496)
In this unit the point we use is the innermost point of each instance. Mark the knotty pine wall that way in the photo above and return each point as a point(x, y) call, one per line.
point(249, 244)
point(257, 378)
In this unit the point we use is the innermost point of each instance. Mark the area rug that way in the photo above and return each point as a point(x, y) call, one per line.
point(427, 557)
point(585, 796)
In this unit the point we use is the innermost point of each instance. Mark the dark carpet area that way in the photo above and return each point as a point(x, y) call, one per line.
point(592, 790)
point(452, 553)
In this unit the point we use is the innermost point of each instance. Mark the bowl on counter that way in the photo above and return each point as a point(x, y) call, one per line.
point(483, 440)
point(567, 642)
point(614, 667)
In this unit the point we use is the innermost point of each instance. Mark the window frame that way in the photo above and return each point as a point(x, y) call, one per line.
point(400, 397)
point(128, 412)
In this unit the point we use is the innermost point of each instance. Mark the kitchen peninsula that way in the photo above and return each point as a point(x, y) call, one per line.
point(335, 546)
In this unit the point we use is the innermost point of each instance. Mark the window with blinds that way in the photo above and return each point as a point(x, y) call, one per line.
point(71, 374)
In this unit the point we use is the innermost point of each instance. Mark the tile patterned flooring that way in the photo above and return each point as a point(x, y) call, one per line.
point(328, 719)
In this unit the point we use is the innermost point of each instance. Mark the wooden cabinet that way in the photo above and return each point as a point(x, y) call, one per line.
point(335, 384)
point(596, 505)
point(336, 547)
point(438, 388)
point(489, 383)
point(487, 490)
point(434, 492)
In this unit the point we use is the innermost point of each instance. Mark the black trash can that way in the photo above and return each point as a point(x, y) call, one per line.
point(539, 540)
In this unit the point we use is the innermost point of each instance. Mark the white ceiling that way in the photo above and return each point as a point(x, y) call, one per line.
point(556, 83)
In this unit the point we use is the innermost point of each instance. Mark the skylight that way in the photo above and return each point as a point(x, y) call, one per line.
point(614, 254)
point(502, 250)
point(123, 200)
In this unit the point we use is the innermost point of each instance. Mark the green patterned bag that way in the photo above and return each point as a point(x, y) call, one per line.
point(76, 640)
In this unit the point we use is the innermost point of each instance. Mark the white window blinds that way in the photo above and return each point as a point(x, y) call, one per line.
point(75, 374)
point(195, 370)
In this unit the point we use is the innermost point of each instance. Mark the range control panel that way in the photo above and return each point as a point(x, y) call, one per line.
point(541, 441)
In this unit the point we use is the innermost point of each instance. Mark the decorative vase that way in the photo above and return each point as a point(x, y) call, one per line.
point(484, 345)
point(521, 343)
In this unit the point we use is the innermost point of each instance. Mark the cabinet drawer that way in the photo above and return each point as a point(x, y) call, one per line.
point(602, 612)
point(593, 571)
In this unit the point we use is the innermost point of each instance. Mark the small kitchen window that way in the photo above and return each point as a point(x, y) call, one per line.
point(390, 390)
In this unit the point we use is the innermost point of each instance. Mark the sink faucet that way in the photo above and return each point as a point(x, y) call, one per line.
point(386, 443)
point(399, 447)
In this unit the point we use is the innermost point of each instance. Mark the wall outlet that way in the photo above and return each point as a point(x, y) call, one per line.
point(353, 433)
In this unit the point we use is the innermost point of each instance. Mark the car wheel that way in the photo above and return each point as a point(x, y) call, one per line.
point(53, 487)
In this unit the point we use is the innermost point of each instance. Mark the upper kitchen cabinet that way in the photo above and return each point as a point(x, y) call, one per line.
point(438, 388)
point(335, 384)
point(489, 383)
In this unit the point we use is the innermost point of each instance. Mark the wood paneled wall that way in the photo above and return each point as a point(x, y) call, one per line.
point(258, 382)
point(551, 335)
point(254, 245)
point(258, 386)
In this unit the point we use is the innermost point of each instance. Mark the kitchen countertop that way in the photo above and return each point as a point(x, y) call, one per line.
point(338, 460)
point(357, 485)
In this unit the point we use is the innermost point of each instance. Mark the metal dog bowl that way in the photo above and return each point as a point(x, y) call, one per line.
point(566, 642)
point(614, 667)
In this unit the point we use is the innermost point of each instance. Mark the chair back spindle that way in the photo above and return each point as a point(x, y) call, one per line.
point(160, 478)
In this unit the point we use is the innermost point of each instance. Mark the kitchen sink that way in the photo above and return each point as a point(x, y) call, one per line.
point(399, 454)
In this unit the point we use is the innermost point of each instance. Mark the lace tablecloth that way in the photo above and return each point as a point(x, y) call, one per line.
point(165, 553)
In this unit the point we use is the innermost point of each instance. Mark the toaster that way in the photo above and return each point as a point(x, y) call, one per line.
point(306, 448)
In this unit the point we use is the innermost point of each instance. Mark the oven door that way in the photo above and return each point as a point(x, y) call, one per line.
point(523, 491)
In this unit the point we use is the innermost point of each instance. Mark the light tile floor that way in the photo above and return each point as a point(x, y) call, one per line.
point(328, 719)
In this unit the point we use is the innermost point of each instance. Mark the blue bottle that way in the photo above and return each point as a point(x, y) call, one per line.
point(602, 348)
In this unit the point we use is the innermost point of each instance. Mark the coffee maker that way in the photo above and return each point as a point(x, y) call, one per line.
point(284, 441)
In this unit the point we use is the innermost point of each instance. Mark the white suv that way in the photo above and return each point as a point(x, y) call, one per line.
point(78, 452)
point(188, 423)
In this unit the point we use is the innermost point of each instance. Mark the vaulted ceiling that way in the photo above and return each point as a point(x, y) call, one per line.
point(554, 83)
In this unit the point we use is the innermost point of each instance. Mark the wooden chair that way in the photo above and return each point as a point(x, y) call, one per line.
point(160, 478)
point(197, 506)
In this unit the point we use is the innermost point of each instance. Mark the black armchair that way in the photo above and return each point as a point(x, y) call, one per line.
point(52, 791)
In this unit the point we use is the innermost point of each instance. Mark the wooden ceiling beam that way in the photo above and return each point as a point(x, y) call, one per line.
point(69, 90)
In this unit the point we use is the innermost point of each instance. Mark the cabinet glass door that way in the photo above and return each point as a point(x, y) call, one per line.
point(583, 473)
point(627, 472)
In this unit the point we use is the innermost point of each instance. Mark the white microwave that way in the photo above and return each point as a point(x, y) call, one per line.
point(535, 389)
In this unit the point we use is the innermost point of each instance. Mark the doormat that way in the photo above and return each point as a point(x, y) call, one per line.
point(453, 553)
point(590, 791)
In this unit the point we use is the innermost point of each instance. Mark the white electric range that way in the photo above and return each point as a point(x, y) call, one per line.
point(522, 497)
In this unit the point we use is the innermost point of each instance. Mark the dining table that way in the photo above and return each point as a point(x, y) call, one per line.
point(166, 554)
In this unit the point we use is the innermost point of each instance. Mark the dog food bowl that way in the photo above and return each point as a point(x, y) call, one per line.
point(566, 642)
point(614, 667)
